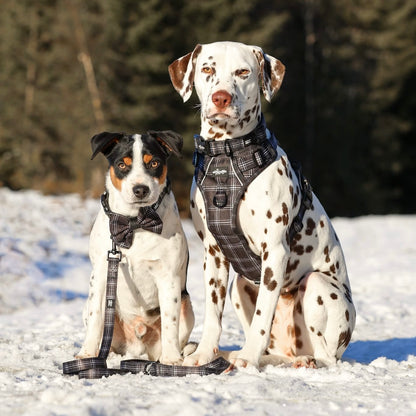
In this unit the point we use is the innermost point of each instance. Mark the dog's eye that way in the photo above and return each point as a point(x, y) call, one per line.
point(242, 72)
point(154, 164)
point(122, 166)
point(207, 70)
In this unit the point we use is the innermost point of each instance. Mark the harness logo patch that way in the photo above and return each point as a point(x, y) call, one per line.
point(220, 172)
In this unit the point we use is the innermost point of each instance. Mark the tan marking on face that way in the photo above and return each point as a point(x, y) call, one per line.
point(115, 181)
point(128, 161)
point(147, 159)
point(164, 174)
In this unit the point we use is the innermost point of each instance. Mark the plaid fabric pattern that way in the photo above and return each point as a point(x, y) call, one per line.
point(153, 368)
point(122, 227)
point(222, 180)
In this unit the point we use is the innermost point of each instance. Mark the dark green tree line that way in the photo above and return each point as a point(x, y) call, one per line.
point(71, 68)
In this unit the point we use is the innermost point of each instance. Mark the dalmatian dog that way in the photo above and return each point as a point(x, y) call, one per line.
point(154, 315)
point(301, 311)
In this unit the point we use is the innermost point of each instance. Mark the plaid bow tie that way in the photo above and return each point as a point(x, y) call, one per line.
point(122, 227)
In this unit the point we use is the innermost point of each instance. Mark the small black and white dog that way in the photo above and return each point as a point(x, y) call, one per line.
point(154, 315)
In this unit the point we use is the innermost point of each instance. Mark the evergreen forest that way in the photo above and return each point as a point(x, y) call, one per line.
point(346, 110)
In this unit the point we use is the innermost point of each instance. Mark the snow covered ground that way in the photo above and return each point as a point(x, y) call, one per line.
point(44, 274)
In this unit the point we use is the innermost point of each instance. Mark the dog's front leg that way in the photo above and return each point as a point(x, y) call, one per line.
point(258, 336)
point(216, 281)
point(170, 304)
point(94, 312)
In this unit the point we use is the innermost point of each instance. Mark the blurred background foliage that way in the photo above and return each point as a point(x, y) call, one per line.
point(346, 110)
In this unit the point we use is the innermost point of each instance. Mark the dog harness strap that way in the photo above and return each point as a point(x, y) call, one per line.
point(223, 171)
point(223, 176)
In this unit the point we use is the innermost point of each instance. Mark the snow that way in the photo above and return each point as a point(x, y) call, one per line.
point(44, 282)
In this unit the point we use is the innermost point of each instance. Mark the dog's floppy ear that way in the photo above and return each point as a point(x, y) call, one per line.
point(182, 73)
point(104, 142)
point(271, 72)
point(169, 141)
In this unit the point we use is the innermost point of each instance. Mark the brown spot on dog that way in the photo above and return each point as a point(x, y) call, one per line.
point(321, 223)
point(265, 231)
point(297, 331)
point(223, 292)
point(251, 293)
point(237, 305)
point(299, 343)
point(347, 315)
point(211, 250)
point(290, 267)
point(298, 308)
point(280, 171)
point(217, 262)
point(258, 312)
point(265, 255)
point(326, 252)
point(332, 268)
point(268, 274)
point(308, 249)
point(252, 212)
point(298, 249)
point(334, 296)
point(201, 235)
point(285, 214)
point(319, 334)
point(344, 338)
point(262, 332)
point(214, 297)
point(320, 301)
point(310, 226)
point(268, 214)
point(312, 329)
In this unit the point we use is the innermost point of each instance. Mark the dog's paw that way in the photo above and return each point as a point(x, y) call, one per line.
point(198, 358)
point(171, 359)
point(304, 361)
point(243, 363)
point(189, 348)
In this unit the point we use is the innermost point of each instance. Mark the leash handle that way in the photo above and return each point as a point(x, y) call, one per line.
point(113, 258)
point(96, 367)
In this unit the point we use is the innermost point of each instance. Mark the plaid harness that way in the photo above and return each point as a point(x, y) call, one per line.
point(223, 171)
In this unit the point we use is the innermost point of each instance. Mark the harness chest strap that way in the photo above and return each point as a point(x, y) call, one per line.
point(223, 171)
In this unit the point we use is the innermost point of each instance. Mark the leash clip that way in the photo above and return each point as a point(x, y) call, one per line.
point(114, 254)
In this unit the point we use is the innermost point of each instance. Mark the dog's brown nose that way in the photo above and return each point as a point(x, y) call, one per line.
point(141, 191)
point(221, 99)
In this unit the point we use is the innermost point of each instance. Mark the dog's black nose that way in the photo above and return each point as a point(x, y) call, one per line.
point(141, 191)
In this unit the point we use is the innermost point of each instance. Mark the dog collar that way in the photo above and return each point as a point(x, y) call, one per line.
point(122, 227)
point(229, 146)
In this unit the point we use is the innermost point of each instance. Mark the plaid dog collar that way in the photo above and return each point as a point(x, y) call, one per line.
point(122, 227)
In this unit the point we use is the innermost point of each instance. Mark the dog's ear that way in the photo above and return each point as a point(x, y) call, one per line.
point(182, 73)
point(104, 142)
point(169, 141)
point(271, 73)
